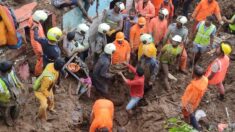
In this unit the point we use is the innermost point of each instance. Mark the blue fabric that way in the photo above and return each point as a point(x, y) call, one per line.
point(19, 42)
point(132, 103)
point(74, 2)
point(194, 122)
point(197, 48)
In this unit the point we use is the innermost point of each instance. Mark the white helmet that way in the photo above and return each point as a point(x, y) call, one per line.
point(164, 11)
point(109, 48)
point(120, 5)
point(82, 27)
point(103, 28)
point(146, 38)
point(177, 38)
point(182, 19)
point(40, 15)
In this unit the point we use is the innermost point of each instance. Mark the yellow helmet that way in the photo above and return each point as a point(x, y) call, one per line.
point(226, 48)
point(149, 50)
point(54, 34)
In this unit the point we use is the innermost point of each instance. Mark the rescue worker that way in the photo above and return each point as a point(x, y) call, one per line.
point(146, 9)
point(170, 55)
point(123, 50)
point(100, 40)
point(10, 92)
point(204, 9)
point(114, 18)
point(157, 5)
point(167, 4)
point(186, 7)
point(150, 66)
point(135, 33)
point(50, 48)
point(231, 23)
point(101, 75)
point(178, 28)
point(203, 38)
point(146, 40)
point(129, 21)
point(102, 116)
point(158, 26)
point(37, 18)
point(192, 96)
point(44, 92)
point(10, 77)
point(136, 86)
point(69, 45)
point(81, 38)
point(217, 70)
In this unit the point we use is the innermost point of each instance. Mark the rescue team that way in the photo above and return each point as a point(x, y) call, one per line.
point(145, 38)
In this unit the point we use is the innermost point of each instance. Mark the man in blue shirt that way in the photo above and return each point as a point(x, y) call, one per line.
point(51, 50)
point(129, 21)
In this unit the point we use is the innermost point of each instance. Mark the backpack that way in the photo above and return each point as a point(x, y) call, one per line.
point(37, 83)
point(4, 92)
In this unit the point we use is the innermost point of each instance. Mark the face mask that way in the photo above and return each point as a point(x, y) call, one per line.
point(104, 32)
point(161, 17)
point(119, 42)
point(144, 42)
point(141, 26)
point(82, 33)
point(132, 17)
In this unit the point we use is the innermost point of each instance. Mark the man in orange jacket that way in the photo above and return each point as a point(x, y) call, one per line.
point(122, 53)
point(146, 9)
point(204, 9)
point(217, 70)
point(157, 5)
point(170, 7)
point(135, 32)
point(193, 95)
point(35, 19)
point(102, 116)
point(158, 26)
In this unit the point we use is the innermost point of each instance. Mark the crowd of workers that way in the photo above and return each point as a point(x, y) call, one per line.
point(147, 39)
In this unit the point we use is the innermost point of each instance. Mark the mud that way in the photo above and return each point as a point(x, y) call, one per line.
point(149, 116)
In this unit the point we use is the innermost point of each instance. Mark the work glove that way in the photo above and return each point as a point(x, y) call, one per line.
point(109, 33)
point(222, 23)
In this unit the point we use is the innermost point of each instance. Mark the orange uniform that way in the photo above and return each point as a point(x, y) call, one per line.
point(122, 53)
point(148, 11)
point(158, 29)
point(37, 48)
point(135, 33)
point(205, 9)
point(103, 111)
point(170, 8)
point(222, 64)
point(194, 93)
point(157, 5)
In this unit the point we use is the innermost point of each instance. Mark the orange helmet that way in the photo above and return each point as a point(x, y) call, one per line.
point(120, 36)
point(141, 21)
